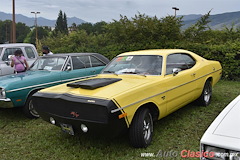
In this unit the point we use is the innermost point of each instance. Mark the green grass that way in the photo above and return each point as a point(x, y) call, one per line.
point(24, 139)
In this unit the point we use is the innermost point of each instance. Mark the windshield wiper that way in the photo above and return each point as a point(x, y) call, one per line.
point(110, 72)
point(131, 72)
point(138, 73)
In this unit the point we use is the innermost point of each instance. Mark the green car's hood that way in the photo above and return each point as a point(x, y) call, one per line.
point(28, 78)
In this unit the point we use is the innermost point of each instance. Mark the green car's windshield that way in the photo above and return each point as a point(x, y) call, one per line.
point(48, 63)
point(136, 64)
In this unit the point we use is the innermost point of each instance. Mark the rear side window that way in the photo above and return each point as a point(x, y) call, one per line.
point(30, 53)
point(180, 61)
point(77, 63)
point(8, 52)
point(85, 60)
point(188, 60)
point(95, 62)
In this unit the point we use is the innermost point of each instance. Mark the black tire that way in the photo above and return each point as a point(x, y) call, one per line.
point(141, 129)
point(206, 96)
point(29, 110)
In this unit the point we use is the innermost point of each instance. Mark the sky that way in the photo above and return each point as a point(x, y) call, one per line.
point(106, 10)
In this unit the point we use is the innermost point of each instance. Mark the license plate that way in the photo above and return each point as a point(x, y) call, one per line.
point(67, 128)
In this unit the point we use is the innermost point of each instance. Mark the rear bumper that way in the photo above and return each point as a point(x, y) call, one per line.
point(77, 110)
point(6, 103)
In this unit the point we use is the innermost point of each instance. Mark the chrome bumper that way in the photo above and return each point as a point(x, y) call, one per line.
point(6, 103)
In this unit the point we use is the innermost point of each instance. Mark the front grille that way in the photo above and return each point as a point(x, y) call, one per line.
point(77, 109)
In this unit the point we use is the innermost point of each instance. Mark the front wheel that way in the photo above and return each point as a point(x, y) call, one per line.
point(141, 129)
point(206, 95)
point(29, 109)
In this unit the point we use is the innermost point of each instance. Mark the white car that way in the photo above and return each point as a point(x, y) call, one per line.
point(221, 141)
point(7, 50)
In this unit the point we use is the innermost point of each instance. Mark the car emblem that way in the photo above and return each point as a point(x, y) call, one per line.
point(92, 101)
point(74, 114)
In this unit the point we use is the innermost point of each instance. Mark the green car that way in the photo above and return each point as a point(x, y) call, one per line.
point(16, 90)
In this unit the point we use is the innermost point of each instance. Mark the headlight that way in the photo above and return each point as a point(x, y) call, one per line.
point(234, 155)
point(220, 154)
point(2, 93)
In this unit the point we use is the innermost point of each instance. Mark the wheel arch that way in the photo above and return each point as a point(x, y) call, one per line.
point(153, 110)
point(210, 79)
point(31, 93)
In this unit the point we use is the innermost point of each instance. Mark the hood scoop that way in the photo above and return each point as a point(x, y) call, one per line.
point(93, 83)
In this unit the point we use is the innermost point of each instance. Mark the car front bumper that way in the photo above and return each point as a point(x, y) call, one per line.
point(6, 103)
point(74, 112)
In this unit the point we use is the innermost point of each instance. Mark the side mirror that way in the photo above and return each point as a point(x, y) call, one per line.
point(10, 57)
point(7, 61)
point(176, 71)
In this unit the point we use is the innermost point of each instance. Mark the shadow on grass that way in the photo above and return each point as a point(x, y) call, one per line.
point(14, 114)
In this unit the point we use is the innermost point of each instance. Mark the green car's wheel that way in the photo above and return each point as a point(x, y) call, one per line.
point(29, 110)
point(141, 129)
point(206, 95)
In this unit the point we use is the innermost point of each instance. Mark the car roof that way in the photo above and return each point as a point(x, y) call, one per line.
point(156, 52)
point(98, 55)
point(15, 44)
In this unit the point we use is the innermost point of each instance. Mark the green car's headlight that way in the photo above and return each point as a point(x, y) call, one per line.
point(234, 155)
point(2, 93)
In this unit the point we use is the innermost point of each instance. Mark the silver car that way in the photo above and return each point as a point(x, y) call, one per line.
point(7, 50)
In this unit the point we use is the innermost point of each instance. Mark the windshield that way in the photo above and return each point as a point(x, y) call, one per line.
point(137, 64)
point(48, 63)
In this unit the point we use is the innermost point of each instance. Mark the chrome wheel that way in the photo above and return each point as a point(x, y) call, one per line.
point(141, 128)
point(205, 98)
point(207, 94)
point(32, 110)
point(147, 127)
point(29, 109)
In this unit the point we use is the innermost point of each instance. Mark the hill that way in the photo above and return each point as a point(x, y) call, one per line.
point(40, 20)
point(218, 21)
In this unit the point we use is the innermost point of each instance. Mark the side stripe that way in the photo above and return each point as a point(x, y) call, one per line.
point(115, 110)
point(44, 84)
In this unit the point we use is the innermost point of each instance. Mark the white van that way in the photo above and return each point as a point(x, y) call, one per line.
point(7, 50)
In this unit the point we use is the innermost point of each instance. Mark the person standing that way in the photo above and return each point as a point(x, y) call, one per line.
point(19, 62)
point(46, 51)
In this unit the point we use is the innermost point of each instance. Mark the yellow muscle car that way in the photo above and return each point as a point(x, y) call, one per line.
point(133, 90)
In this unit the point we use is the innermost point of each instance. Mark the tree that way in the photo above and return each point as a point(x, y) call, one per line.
point(88, 27)
point(144, 30)
point(5, 31)
point(65, 26)
point(21, 32)
point(99, 27)
point(196, 31)
point(43, 32)
point(61, 23)
point(73, 27)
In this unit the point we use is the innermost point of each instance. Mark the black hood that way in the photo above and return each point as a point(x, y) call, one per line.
point(93, 83)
